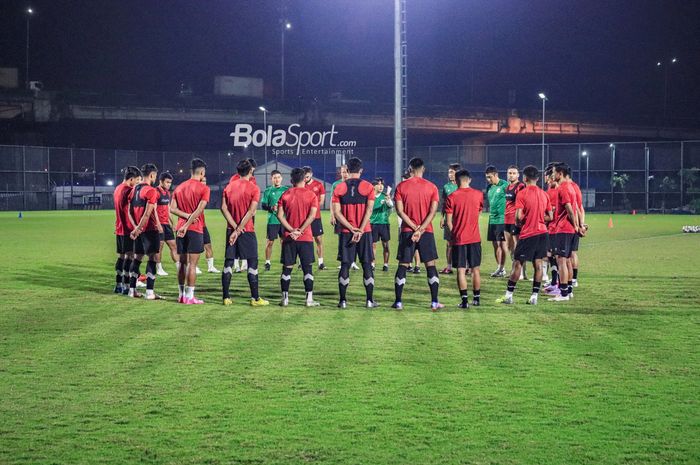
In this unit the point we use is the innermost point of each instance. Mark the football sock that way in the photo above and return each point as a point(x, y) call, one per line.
point(536, 287)
point(253, 278)
point(135, 273)
point(308, 278)
point(400, 281)
point(210, 263)
point(226, 277)
point(575, 274)
point(118, 268)
point(433, 282)
point(564, 289)
point(464, 294)
point(511, 286)
point(343, 280)
point(368, 278)
point(126, 273)
point(477, 295)
point(285, 279)
point(150, 274)
point(189, 292)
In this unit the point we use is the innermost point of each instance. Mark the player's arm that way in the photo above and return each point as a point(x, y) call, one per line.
point(406, 220)
point(573, 216)
point(266, 201)
point(176, 211)
point(241, 226)
point(428, 219)
point(150, 208)
point(548, 215)
point(368, 215)
point(159, 226)
point(444, 201)
point(340, 218)
point(449, 221)
point(227, 215)
point(520, 216)
point(309, 220)
point(283, 221)
point(321, 200)
point(192, 218)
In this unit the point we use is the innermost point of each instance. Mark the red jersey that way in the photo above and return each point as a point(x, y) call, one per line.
point(238, 176)
point(238, 196)
point(579, 195)
point(553, 194)
point(141, 195)
point(417, 194)
point(297, 203)
point(353, 195)
point(567, 194)
point(534, 203)
point(188, 195)
point(163, 207)
point(122, 226)
point(512, 191)
point(465, 204)
point(318, 189)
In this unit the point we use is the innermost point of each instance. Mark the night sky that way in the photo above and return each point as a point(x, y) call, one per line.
point(588, 55)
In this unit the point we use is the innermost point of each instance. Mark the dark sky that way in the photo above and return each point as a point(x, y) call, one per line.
point(588, 55)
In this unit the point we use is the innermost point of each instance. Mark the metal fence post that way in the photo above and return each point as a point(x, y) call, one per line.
point(682, 173)
point(24, 178)
point(646, 176)
point(71, 179)
point(48, 176)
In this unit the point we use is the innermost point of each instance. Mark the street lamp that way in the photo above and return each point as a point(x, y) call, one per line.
point(543, 97)
point(666, 68)
point(584, 154)
point(264, 111)
point(286, 25)
point(29, 12)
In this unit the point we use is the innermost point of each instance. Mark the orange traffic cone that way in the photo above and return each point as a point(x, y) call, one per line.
point(610, 223)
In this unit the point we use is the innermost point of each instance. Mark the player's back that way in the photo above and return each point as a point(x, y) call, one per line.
point(353, 195)
point(417, 195)
point(297, 203)
point(238, 195)
point(121, 208)
point(534, 203)
point(188, 195)
point(465, 205)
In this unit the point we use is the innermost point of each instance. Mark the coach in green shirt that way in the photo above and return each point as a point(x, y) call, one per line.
point(270, 198)
point(496, 193)
point(447, 189)
point(380, 219)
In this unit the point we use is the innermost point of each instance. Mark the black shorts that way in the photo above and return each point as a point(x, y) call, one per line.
point(575, 242)
point(447, 234)
point(425, 246)
point(168, 234)
point(125, 244)
point(193, 242)
point(317, 227)
point(350, 250)
point(381, 232)
point(512, 229)
point(561, 244)
point(245, 247)
point(466, 255)
point(496, 232)
point(293, 249)
point(531, 248)
point(274, 231)
point(150, 242)
point(206, 238)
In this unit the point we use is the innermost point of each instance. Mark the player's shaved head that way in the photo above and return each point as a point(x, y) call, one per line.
point(297, 176)
point(197, 166)
point(354, 165)
point(531, 173)
point(244, 167)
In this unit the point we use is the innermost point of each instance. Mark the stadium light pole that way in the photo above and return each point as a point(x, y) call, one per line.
point(264, 112)
point(397, 93)
point(286, 25)
point(543, 97)
point(666, 68)
point(29, 13)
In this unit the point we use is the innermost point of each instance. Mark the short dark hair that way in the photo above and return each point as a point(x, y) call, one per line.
point(307, 169)
point(274, 172)
point(197, 164)
point(531, 172)
point(563, 168)
point(491, 170)
point(416, 163)
point(297, 175)
point(244, 167)
point(513, 167)
point(131, 172)
point(406, 174)
point(166, 175)
point(454, 166)
point(252, 162)
point(148, 168)
point(378, 180)
point(354, 165)
point(461, 174)
point(548, 171)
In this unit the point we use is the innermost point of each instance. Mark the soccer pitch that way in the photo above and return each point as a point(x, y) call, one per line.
point(90, 377)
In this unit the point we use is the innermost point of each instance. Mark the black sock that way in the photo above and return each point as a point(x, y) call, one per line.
point(433, 282)
point(135, 273)
point(400, 281)
point(477, 295)
point(150, 274)
point(570, 287)
point(564, 289)
point(368, 279)
point(343, 280)
point(126, 273)
point(118, 267)
point(464, 294)
point(535, 287)
point(253, 278)
point(511, 286)
point(575, 273)
point(226, 275)
point(308, 278)
point(555, 270)
point(285, 278)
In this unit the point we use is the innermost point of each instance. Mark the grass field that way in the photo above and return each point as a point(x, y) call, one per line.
point(612, 377)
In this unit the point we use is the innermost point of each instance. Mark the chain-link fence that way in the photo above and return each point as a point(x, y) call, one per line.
point(618, 176)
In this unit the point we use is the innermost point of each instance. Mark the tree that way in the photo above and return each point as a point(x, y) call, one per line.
point(690, 176)
point(620, 180)
point(668, 184)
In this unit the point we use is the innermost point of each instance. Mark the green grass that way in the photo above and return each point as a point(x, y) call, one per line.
point(89, 377)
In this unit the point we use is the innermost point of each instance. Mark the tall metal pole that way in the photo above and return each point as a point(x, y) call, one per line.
point(398, 149)
point(544, 107)
point(284, 25)
point(265, 126)
point(26, 58)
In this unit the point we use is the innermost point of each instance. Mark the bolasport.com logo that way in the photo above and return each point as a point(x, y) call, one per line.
point(292, 140)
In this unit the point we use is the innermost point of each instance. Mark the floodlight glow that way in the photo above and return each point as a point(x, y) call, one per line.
point(542, 96)
point(262, 109)
point(584, 154)
point(288, 25)
point(658, 63)
point(673, 60)
point(110, 183)
point(30, 11)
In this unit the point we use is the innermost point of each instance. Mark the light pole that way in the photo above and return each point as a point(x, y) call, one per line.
point(29, 12)
point(543, 97)
point(264, 112)
point(666, 67)
point(286, 25)
point(584, 154)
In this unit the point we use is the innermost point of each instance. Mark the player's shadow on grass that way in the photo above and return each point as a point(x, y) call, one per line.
point(69, 277)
